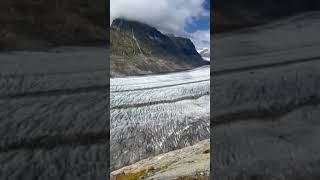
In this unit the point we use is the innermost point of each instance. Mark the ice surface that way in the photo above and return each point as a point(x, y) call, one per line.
point(158, 113)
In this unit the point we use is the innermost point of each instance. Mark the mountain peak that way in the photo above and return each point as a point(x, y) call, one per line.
point(120, 24)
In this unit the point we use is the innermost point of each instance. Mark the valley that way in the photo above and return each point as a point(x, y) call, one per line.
point(264, 106)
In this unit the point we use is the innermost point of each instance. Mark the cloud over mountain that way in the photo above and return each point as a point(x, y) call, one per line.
point(169, 16)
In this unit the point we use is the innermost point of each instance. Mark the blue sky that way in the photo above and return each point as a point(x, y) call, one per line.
point(202, 23)
point(199, 28)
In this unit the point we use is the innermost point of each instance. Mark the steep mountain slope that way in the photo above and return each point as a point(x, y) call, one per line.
point(137, 48)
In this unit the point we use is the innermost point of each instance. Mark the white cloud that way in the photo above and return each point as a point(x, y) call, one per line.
point(201, 39)
point(169, 16)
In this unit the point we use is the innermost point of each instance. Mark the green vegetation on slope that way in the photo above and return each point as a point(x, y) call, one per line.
point(123, 44)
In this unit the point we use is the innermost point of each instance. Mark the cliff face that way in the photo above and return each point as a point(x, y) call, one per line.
point(234, 14)
point(143, 49)
point(39, 23)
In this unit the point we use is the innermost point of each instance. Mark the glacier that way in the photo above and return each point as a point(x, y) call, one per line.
point(154, 114)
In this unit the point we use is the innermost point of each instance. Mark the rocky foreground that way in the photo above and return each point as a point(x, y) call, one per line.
point(184, 164)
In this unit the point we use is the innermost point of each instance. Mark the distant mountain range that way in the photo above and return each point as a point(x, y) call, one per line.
point(137, 48)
